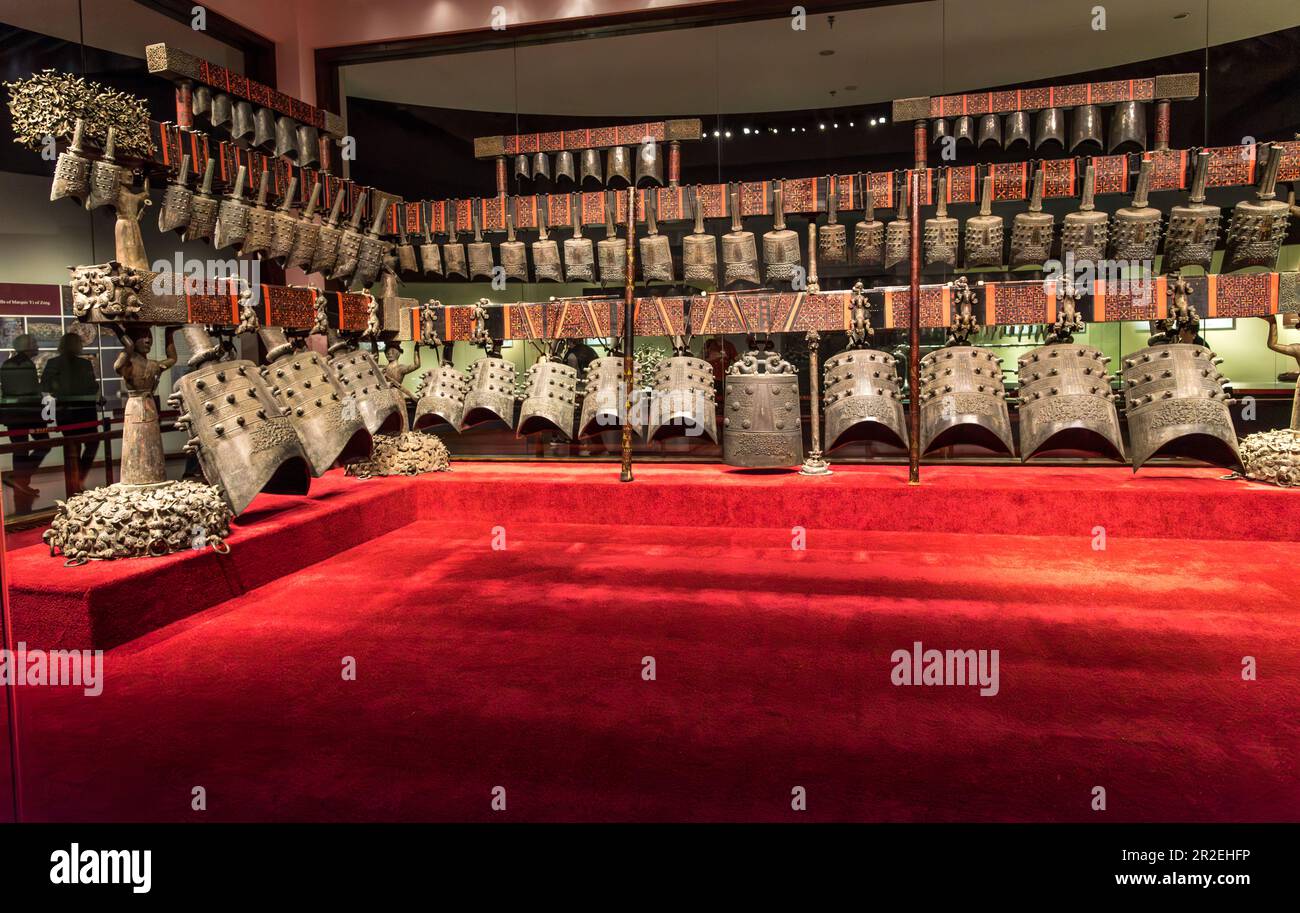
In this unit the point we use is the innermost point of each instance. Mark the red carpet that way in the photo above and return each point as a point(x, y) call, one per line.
point(522, 668)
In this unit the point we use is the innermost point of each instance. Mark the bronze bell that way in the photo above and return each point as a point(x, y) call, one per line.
point(514, 254)
point(963, 400)
point(523, 169)
point(762, 421)
point(222, 110)
point(491, 394)
point(1017, 129)
point(1177, 406)
point(243, 441)
point(990, 130)
point(1136, 232)
point(1066, 402)
point(232, 215)
point(964, 129)
point(591, 171)
point(542, 168)
point(1258, 226)
point(201, 101)
point(106, 176)
point(564, 169)
point(1085, 232)
point(1128, 125)
point(265, 134)
point(618, 164)
point(863, 399)
point(1086, 127)
point(603, 401)
point(72, 170)
point(1051, 127)
point(682, 400)
point(243, 126)
point(1193, 230)
point(203, 208)
point(551, 400)
point(441, 402)
point(286, 137)
point(939, 130)
point(307, 140)
point(174, 213)
point(304, 384)
point(649, 164)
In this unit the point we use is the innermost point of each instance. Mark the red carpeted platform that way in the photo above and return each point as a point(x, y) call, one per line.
point(522, 667)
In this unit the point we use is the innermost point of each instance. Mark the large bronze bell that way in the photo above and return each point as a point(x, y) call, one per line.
point(762, 426)
point(1177, 406)
point(303, 384)
point(862, 401)
point(441, 402)
point(550, 402)
point(244, 441)
point(1066, 402)
point(603, 405)
point(491, 394)
point(963, 400)
point(365, 390)
point(682, 403)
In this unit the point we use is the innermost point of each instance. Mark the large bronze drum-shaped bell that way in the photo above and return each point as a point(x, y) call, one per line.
point(491, 394)
point(963, 400)
point(1066, 402)
point(1177, 406)
point(302, 383)
point(862, 400)
point(683, 403)
point(442, 399)
point(243, 442)
point(366, 393)
point(602, 400)
point(551, 400)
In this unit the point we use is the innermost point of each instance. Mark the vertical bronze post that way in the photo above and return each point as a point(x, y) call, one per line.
point(1162, 125)
point(814, 464)
point(914, 309)
point(629, 362)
